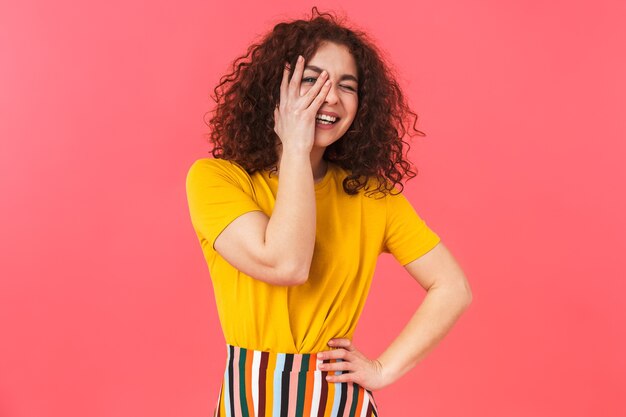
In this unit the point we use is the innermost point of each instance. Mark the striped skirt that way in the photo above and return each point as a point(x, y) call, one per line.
point(267, 384)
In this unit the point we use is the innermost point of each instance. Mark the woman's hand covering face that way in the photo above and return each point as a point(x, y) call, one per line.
point(294, 117)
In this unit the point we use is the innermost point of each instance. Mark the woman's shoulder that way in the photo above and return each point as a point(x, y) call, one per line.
point(204, 170)
point(217, 165)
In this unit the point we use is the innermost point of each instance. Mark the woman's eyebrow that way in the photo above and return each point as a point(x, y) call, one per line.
point(343, 77)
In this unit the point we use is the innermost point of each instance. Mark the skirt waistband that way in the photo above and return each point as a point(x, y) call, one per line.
point(271, 384)
point(276, 361)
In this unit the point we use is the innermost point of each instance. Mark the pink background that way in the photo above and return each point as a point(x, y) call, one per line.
point(106, 306)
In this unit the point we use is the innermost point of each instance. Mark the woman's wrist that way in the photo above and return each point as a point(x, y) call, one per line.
point(388, 376)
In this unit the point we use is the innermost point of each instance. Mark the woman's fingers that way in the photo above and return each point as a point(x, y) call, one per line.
point(342, 342)
point(318, 92)
point(354, 366)
point(319, 98)
point(314, 96)
point(294, 84)
point(342, 365)
point(294, 119)
point(284, 84)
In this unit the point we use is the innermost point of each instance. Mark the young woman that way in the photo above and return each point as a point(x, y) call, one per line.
point(292, 213)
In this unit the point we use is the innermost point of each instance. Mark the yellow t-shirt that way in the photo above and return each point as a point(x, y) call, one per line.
point(352, 231)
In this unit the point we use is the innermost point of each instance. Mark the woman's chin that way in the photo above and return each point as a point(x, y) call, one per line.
point(327, 137)
point(324, 142)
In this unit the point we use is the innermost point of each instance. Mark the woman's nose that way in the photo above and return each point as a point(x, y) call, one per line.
point(331, 96)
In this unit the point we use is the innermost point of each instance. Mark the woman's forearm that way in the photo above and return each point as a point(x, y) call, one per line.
point(290, 233)
point(434, 318)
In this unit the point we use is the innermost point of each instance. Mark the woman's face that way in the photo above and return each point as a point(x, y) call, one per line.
point(342, 99)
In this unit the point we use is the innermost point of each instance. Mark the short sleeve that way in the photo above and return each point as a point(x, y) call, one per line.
point(407, 236)
point(216, 196)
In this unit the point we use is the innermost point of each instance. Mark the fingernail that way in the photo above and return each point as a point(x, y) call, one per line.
point(300, 58)
point(330, 342)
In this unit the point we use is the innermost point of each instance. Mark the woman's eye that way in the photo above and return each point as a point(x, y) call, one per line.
point(313, 79)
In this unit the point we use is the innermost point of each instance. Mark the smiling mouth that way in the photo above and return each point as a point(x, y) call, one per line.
point(322, 121)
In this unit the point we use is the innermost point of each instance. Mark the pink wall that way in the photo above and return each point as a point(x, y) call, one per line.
point(106, 307)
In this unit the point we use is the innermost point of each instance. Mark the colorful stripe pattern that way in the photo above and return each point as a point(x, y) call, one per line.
point(269, 384)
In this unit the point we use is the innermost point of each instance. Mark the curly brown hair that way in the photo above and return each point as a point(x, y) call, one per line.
point(242, 126)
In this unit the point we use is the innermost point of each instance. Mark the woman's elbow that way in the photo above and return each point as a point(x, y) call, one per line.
point(293, 276)
point(466, 293)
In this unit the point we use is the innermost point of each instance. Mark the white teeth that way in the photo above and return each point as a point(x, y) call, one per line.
point(325, 117)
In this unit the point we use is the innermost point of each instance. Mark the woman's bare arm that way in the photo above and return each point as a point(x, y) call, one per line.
point(277, 249)
point(448, 296)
